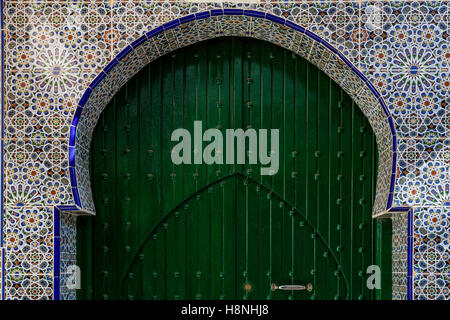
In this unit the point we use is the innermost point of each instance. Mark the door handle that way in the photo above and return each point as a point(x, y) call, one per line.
point(291, 287)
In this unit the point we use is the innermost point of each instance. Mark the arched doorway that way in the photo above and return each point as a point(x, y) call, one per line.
point(166, 231)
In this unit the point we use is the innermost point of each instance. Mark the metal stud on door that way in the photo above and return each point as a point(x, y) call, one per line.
point(224, 231)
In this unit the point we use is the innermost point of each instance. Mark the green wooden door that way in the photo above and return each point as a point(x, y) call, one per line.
point(165, 231)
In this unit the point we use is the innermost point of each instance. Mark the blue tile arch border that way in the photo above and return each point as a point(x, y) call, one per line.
point(203, 15)
point(77, 207)
point(409, 212)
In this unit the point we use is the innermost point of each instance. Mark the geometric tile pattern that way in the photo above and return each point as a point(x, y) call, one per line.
point(401, 275)
point(53, 50)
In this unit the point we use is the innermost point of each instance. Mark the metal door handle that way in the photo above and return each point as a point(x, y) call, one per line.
point(291, 287)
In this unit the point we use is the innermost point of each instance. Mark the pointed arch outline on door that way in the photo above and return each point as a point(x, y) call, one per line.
point(206, 25)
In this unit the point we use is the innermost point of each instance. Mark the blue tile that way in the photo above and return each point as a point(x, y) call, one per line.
point(276, 19)
point(394, 159)
point(57, 248)
point(385, 109)
point(392, 184)
point(202, 15)
point(72, 156)
point(313, 36)
point(394, 143)
point(72, 137)
point(73, 178)
point(389, 202)
point(372, 88)
point(233, 12)
point(391, 125)
point(77, 116)
point(76, 196)
point(68, 208)
point(111, 65)
point(329, 46)
point(97, 80)
point(358, 73)
point(56, 286)
point(216, 12)
point(295, 26)
point(399, 209)
point(343, 58)
point(57, 223)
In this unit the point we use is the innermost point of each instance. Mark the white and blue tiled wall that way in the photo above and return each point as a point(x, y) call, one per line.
point(63, 60)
